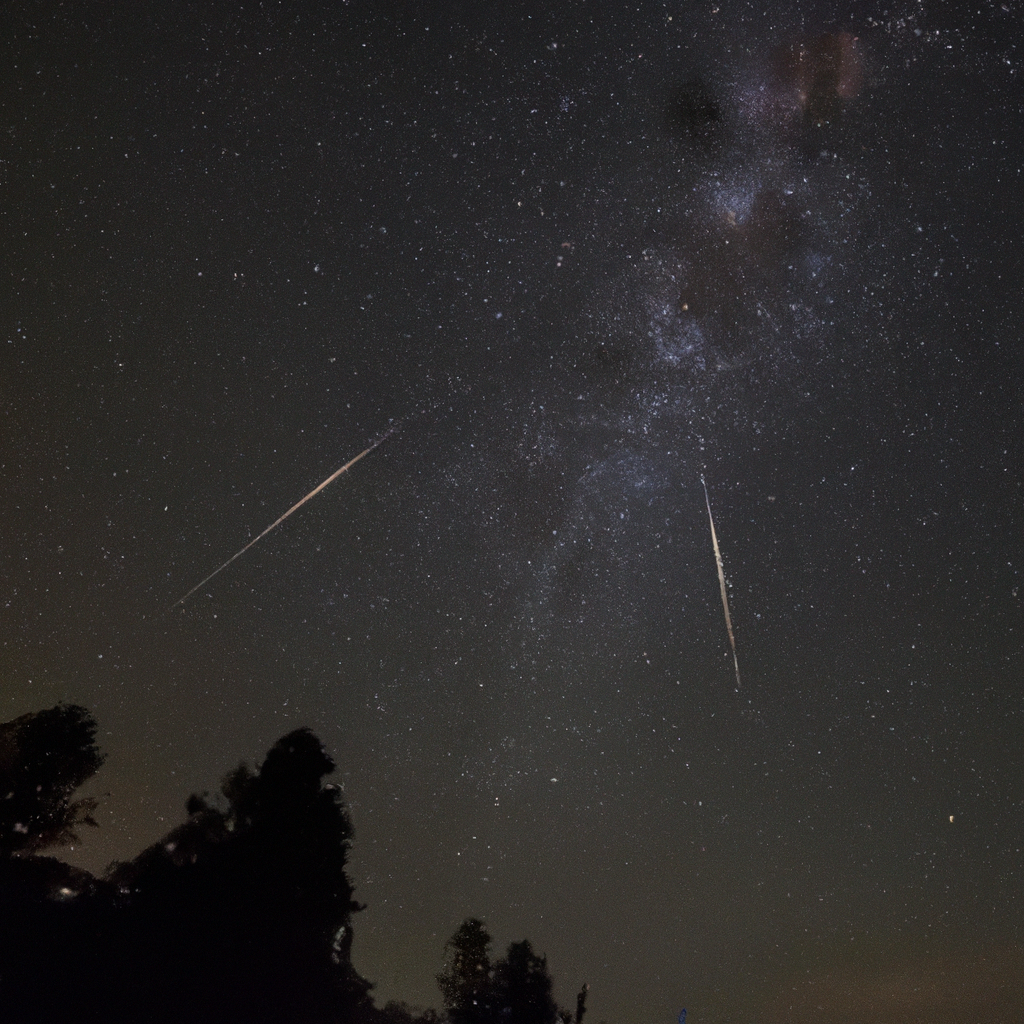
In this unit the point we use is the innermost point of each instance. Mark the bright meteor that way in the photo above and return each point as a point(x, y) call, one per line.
point(721, 583)
point(277, 522)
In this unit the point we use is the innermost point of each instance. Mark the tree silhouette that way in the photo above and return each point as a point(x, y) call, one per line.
point(581, 1003)
point(523, 987)
point(398, 1012)
point(44, 757)
point(465, 982)
point(249, 902)
point(48, 909)
point(240, 915)
point(515, 990)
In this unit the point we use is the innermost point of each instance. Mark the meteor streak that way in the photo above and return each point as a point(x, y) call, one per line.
point(721, 583)
point(277, 522)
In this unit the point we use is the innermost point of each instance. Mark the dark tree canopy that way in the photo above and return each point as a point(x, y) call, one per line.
point(44, 757)
point(465, 982)
point(241, 915)
point(253, 896)
point(523, 987)
point(515, 990)
point(398, 1012)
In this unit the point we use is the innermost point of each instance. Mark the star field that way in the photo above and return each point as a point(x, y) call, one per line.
point(574, 259)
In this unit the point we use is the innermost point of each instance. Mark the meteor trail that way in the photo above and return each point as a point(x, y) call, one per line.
point(277, 522)
point(721, 583)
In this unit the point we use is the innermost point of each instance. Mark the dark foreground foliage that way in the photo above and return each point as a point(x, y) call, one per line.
point(514, 990)
point(44, 757)
point(241, 915)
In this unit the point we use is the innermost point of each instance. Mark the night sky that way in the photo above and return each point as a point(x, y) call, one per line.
point(576, 255)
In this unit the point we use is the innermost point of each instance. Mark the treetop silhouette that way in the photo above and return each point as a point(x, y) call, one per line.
point(240, 915)
point(515, 990)
point(44, 757)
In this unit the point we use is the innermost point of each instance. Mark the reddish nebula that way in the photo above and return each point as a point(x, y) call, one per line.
point(821, 72)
